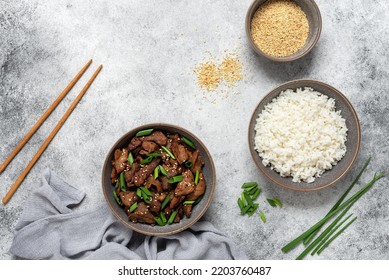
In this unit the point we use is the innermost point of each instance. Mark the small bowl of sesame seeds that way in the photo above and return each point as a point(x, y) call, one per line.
point(283, 30)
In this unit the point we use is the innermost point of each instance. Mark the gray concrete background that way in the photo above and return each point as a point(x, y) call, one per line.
point(149, 50)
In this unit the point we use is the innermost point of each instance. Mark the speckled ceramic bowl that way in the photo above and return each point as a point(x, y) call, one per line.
point(197, 212)
point(314, 20)
point(353, 142)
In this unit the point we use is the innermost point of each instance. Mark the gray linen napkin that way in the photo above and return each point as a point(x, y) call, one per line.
point(50, 228)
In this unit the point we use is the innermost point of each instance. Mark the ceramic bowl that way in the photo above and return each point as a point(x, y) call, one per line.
point(197, 212)
point(353, 142)
point(314, 20)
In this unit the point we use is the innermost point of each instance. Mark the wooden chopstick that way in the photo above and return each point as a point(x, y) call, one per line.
point(45, 115)
point(19, 180)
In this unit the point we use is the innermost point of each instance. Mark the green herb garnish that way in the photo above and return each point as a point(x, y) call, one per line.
point(188, 142)
point(249, 185)
point(115, 195)
point(139, 193)
point(274, 202)
point(329, 235)
point(156, 172)
point(133, 207)
point(197, 177)
point(154, 155)
point(343, 205)
point(262, 215)
point(168, 152)
point(188, 164)
point(189, 202)
point(122, 182)
point(171, 218)
point(159, 221)
point(163, 171)
point(165, 201)
point(271, 202)
point(146, 191)
point(144, 132)
point(335, 235)
point(324, 233)
point(175, 179)
point(130, 158)
point(146, 160)
point(308, 239)
point(163, 217)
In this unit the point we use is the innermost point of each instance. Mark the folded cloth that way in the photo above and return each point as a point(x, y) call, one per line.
point(51, 228)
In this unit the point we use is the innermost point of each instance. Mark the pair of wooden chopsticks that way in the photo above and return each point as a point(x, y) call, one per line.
point(45, 115)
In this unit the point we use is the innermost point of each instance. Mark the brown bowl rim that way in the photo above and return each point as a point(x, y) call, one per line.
point(212, 187)
point(255, 155)
point(282, 58)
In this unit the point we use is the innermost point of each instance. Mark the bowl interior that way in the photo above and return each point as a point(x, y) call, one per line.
point(197, 212)
point(314, 19)
point(353, 137)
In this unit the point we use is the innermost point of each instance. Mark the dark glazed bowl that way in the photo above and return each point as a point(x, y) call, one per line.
point(353, 142)
point(198, 211)
point(314, 20)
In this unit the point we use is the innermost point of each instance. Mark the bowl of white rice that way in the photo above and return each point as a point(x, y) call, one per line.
point(304, 135)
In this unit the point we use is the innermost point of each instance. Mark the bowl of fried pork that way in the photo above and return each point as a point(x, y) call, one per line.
point(158, 179)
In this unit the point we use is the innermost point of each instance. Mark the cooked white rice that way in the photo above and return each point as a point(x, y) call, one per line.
point(300, 134)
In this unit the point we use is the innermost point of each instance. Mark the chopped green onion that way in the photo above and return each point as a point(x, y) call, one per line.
point(144, 132)
point(276, 201)
point(248, 199)
point(156, 172)
point(197, 176)
point(198, 199)
point(165, 201)
point(243, 199)
point(188, 164)
point(139, 192)
point(146, 160)
point(255, 194)
point(245, 209)
point(171, 218)
point(122, 182)
point(335, 235)
point(188, 202)
point(175, 179)
point(145, 197)
point(271, 202)
point(252, 210)
point(154, 155)
point(159, 221)
point(163, 217)
point(146, 191)
point(240, 203)
point(163, 171)
point(133, 207)
point(262, 215)
point(188, 142)
point(130, 158)
point(117, 184)
point(115, 195)
point(251, 190)
point(168, 152)
point(249, 185)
